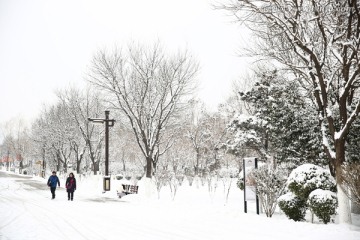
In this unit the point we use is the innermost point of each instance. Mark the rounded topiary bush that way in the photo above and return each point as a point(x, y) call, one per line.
point(323, 204)
point(293, 206)
point(308, 177)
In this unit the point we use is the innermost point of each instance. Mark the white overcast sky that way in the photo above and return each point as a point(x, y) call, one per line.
point(47, 44)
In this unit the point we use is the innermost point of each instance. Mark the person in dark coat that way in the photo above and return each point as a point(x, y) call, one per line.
point(52, 182)
point(70, 186)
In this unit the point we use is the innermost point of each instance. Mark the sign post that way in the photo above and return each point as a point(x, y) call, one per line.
point(249, 188)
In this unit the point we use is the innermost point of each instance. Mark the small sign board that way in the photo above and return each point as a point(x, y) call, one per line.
point(249, 184)
point(249, 164)
point(250, 193)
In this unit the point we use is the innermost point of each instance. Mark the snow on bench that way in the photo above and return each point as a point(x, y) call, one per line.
point(127, 189)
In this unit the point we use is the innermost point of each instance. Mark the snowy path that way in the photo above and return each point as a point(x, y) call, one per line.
point(27, 212)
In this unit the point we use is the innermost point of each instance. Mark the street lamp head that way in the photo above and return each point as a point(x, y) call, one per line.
point(111, 122)
point(96, 120)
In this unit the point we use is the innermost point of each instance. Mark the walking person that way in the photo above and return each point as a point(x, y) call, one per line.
point(52, 182)
point(70, 186)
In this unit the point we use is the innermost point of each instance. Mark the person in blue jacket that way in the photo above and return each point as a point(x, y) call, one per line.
point(52, 182)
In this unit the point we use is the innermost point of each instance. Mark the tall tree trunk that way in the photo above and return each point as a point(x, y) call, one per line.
point(123, 160)
point(344, 205)
point(96, 167)
point(149, 162)
point(78, 170)
point(197, 161)
point(58, 162)
point(344, 202)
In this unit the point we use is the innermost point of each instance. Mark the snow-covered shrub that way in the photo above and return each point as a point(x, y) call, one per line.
point(190, 179)
point(240, 182)
point(270, 184)
point(180, 178)
point(250, 181)
point(174, 184)
point(161, 178)
point(323, 204)
point(212, 182)
point(314, 187)
point(293, 206)
point(351, 178)
point(226, 175)
point(190, 175)
point(308, 177)
point(228, 172)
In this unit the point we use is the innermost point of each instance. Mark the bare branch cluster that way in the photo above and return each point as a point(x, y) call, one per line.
point(351, 176)
point(149, 87)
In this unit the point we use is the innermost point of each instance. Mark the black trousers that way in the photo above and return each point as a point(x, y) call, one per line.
point(52, 189)
point(70, 195)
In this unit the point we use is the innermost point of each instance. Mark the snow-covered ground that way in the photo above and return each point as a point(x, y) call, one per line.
point(27, 212)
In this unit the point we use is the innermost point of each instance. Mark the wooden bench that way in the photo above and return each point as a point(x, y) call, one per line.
point(127, 189)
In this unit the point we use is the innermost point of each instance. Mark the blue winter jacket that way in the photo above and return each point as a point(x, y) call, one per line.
point(53, 181)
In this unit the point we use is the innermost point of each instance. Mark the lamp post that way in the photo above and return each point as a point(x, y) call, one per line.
point(108, 123)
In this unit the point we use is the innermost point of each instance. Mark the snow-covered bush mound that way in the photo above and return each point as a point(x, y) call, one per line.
point(240, 182)
point(311, 187)
point(292, 206)
point(308, 177)
point(323, 204)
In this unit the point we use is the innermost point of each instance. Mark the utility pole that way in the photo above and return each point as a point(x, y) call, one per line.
point(108, 123)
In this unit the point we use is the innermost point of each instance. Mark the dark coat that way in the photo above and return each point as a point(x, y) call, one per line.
point(53, 181)
point(70, 184)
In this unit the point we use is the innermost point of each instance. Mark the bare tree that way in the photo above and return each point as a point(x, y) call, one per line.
point(351, 176)
point(61, 130)
point(53, 132)
point(80, 105)
point(205, 132)
point(149, 88)
point(318, 42)
point(7, 151)
point(17, 142)
point(125, 150)
point(197, 131)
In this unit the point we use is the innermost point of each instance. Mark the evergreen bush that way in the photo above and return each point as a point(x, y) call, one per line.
point(308, 177)
point(293, 206)
point(240, 183)
point(323, 204)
